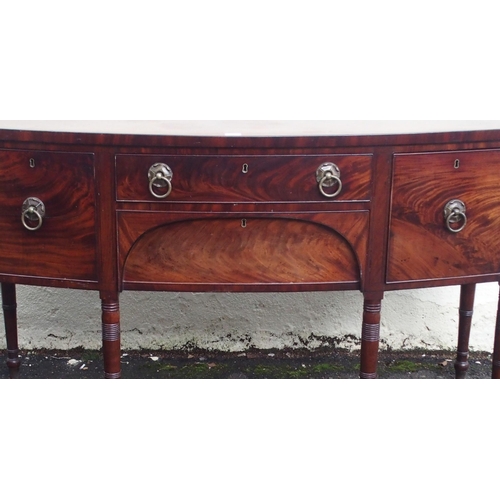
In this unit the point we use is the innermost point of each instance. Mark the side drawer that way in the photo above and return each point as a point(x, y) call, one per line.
point(59, 241)
point(218, 179)
point(445, 216)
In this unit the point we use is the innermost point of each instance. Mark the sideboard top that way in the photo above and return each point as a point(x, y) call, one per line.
point(251, 128)
point(233, 133)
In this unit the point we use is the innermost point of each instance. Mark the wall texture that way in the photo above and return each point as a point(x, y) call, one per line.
point(427, 319)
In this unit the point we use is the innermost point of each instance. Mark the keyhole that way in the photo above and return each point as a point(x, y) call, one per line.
point(243, 223)
point(456, 164)
point(32, 162)
point(245, 168)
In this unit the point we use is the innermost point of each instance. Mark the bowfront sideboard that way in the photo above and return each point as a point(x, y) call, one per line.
point(193, 212)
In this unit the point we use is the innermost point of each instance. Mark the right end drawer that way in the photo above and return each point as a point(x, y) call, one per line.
point(445, 216)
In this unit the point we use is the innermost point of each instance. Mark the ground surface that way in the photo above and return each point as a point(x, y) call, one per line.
point(251, 365)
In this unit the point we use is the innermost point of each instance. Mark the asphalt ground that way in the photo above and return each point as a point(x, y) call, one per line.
point(260, 439)
point(84, 364)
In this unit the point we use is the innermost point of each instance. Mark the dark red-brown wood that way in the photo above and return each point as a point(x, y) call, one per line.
point(9, 304)
point(111, 338)
point(266, 229)
point(242, 251)
point(496, 348)
point(247, 178)
point(65, 245)
point(464, 326)
point(421, 247)
point(283, 252)
point(370, 338)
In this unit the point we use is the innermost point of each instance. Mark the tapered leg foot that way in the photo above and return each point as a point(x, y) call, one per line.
point(9, 305)
point(496, 350)
point(370, 338)
point(467, 295)
point(111, 338)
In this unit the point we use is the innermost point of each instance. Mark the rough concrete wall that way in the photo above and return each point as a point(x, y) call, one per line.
point(428, 319)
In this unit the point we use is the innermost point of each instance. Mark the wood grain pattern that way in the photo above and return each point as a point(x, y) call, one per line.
point(221, 251)
point(350, 227)
point(420, 245)
point(105, 231)
point(220, 178)
point(65, 246)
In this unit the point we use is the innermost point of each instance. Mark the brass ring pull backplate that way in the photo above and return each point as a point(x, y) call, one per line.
point(327, 176)
point(33, 212)
point(454, 216)
point(160, 178)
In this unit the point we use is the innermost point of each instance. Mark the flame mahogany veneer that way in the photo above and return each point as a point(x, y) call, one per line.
point(247, 214)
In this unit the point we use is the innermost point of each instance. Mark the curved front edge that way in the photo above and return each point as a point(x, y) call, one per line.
point(241, 254)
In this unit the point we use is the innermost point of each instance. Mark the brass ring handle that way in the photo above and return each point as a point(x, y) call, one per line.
point(33, 210)
point(326, 181)
point(160, 177)
point(328, 175)
point(152, 185)
point(454, 213)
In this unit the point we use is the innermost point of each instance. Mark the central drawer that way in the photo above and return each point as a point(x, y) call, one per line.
point(184, 251)
point(234, 178)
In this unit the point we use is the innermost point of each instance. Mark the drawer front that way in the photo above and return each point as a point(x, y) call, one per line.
point(445, 217)
point(185, 252)
point(59, 241)
point(218, 179)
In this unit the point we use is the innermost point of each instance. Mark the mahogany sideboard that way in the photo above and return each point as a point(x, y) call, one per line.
point(223, 213)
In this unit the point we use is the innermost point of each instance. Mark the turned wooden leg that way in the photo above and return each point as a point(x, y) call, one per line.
point(111, 337)
point(496, 350)
point(10, 317)
point(370, 338)
point(465, 320)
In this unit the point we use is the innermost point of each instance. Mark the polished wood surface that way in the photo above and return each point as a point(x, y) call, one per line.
point(496, 347)
point(246, 214)
point(370, 338)
point(65, 246)
point(247, 178)
point(9, 304)
point(241, 251)
point(421, 247)
point(272, 252)
point(467, 294)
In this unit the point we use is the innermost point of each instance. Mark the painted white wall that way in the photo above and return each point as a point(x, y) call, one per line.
point(64, 319)
point(427, 319)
